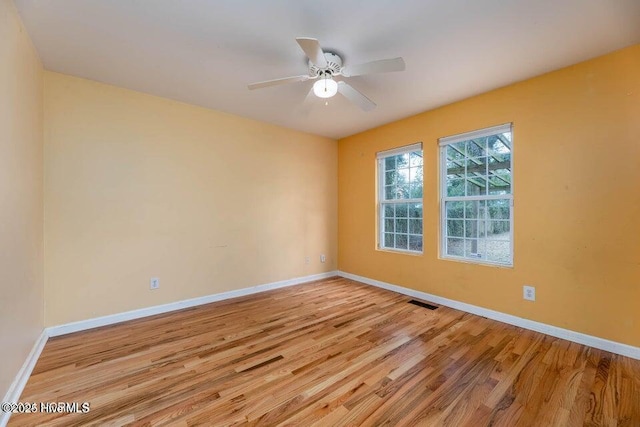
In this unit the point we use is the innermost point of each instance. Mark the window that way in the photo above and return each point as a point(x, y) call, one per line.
point(477, 196)
point(400, 199)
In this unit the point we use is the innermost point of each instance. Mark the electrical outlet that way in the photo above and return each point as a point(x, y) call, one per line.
point(323, 258)
point(307, 260)
point(154, 283)
point(529, 293)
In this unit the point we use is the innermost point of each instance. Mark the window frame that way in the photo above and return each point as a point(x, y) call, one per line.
point(442, 146)
point(381, 201)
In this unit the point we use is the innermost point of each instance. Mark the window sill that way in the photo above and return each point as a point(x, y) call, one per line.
point(475, 262)
point(401, 251)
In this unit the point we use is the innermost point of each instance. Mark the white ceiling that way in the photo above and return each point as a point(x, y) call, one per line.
point(205, 52)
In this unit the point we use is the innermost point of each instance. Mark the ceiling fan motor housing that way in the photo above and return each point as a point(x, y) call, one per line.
point(334, 65)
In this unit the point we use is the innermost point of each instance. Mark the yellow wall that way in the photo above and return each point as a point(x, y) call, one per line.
point(576, 190)
point(21, 211)
point(138, 186)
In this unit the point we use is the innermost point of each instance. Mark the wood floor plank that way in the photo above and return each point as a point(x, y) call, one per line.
point(329, 353)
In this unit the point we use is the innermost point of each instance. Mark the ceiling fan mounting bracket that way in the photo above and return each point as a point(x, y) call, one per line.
point(334, 65)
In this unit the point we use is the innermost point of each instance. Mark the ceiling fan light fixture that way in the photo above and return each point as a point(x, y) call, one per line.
point(326, 87)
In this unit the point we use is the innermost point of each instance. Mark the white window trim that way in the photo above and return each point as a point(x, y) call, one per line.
point(507, 127)
point(380, 156)
point(443, 142)
point(400, 150)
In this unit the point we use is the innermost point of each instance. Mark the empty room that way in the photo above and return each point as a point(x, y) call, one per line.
point(320, 213)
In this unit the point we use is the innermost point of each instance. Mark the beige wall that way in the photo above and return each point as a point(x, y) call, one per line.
point(138, 186)
point(576, 193)
point(21, 211)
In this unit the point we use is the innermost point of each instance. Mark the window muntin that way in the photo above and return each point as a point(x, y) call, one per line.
point(477, 197)
point(400, 190)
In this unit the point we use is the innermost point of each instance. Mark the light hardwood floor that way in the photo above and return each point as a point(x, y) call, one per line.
point(330, 353)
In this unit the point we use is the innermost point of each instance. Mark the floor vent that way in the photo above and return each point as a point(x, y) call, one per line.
point(422, 304)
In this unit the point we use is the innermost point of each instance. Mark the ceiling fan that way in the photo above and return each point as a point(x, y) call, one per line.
point(326, 65)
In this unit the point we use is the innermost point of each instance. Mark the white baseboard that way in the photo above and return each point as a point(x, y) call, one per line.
point(554, 331)
point(54, 331)
point(15, 390)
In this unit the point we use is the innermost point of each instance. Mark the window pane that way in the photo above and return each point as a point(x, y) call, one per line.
point(503, 173)
point(499, 251)
point(497, 147)
point(474, 228)
point(401, 225)
point(456, 151)
point(389, 225)
point(415, 175)
point(455, 169)
point(497, 185)
point(401, 210)
point(415, 243)
point(498, 209)
point(477, 165)
point(455, 187)
point(403, 176)
point(474, 209)
point(498, 230)
point(455, 228)
point(388, 211)
point(415, 226)
point(473, 248)
point(415, 211)
point(415, 158)
point(401, 241)
point(455, 247)
point(402, 191)
point(476, 185)
point(390, 178)
point(477, 147)
point(389, 192)
point(502, 159)
point(416, 191)
point(389, 241)
point(455, 209)
point(500, 165)
point(390, 163)
point(402, 160)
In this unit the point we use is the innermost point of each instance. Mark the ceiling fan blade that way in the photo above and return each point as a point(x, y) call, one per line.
point(355, 96)
point(313, 51)
point(274, 82)
point(307, 103)
point(380, 66)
